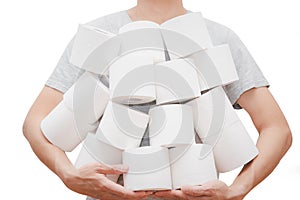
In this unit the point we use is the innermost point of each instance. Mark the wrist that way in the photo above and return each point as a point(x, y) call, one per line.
point(68, 174)
point(237, 192)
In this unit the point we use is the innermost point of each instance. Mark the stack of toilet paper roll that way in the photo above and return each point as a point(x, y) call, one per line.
point(120, 128)
point(175, 67)
point(173, 159)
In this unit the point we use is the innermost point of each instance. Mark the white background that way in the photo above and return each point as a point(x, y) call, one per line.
point(34, 33)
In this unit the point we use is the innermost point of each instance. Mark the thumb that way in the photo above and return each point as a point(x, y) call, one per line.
point(111, 169)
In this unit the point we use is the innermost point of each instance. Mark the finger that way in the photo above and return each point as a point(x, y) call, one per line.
point(198, 191)
point(145, 192)
point(107, 196)
point(110, 169)
point(116, 197)
point(171, 194)
point(120, 191)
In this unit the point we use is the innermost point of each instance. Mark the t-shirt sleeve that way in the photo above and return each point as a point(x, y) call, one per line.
point(250, 75)
point(65, 74)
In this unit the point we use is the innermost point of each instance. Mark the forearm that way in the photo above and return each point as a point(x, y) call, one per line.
point(272, 144)
point(54, 158)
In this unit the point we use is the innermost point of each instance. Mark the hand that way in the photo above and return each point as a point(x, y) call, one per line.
point(213, 190)
point(90, 180)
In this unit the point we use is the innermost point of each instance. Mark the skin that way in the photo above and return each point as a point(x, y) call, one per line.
point(273, 142)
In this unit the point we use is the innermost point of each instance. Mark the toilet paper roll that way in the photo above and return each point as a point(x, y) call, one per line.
point(121, 126)
point(176, 81)
point(171, 125)
point(88, 98)
point(94, 150)
point(181, 39)
point(182, 25)
point(222, 59)
point(142, 24)
point(235, 147)
point(101, 58)
point(82, 106)
point(209, 112)
point(132, 77)
point(215, 67)
point(140, 38)
point(149, 168)
point(87, 39)
point(179, 45)
point(217, 124)
point(68, 97)
point(60, 128)
point(192, 165)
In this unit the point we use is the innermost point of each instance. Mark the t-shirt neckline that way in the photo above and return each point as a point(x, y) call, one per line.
point(130, 20)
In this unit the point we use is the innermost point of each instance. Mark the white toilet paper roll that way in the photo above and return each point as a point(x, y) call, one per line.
point(142, 24)
point(149, 168)
point(88, 98)
point(94, 150)
point(132, 77)
point(178, 45)
point(122, 127)
point(181, 39)
point(182, 25)
point(234, 148)
point(217, 124)
point(68, 97)
point(176, 81)
point(82, 106)
point(60, 128)
point(215, 67)
point(209, 108)
point(140, 36)
point(192, 165)
point(87, 39)
point(171, 125)
point(222, 58)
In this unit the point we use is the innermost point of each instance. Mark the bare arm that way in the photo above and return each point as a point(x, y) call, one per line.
point(49, 154)
point(274, 138)
point(88, 180)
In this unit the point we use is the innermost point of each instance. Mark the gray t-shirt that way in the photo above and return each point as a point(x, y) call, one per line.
point(250, 76)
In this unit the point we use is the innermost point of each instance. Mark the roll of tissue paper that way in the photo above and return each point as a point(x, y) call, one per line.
point(143, 24)
point(140, 35)
point(60, 128)
point(90, 97)
point(182, 25)
point(215, 67)
point(192, 165)
point(148, 168)
point(131, 77)
point(121, 126)
point(82, 106)
point(94, 150)
point(171, 125)
point(181, 39)
point(132, 74)
point(176, 81)
point(87, 40)
point(218, 125)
